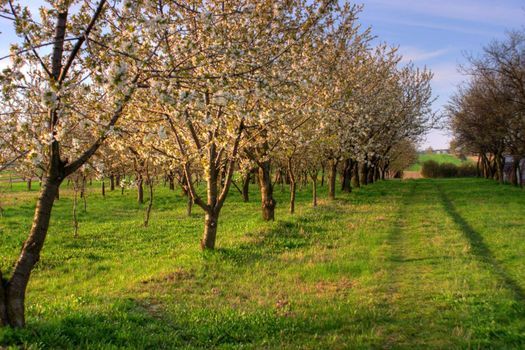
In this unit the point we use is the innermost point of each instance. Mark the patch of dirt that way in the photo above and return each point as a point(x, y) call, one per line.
point(412, 175)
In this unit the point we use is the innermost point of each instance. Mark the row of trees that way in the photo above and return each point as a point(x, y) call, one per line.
point(488, 113)
point(193, 90)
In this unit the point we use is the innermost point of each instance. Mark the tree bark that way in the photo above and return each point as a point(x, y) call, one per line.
point(4, 321)
point(293, 186)
point(17, 285)
point(499, 168)
point(363, 173)
point(112, 182)
point(322, 174)
point(150, 204)
point(140, 189)
point(355, 176)
point(246, 188)
point(171, 181)
point(514, 174)
point(210, 230)
point(332, 164)
point(29, 184)
point(314, 189)
point(103, 188)
point(346, 179)
point(265, 184)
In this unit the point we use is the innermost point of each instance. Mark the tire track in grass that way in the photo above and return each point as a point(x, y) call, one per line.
point(479, 248)
point(425, 262)
point(395, 242)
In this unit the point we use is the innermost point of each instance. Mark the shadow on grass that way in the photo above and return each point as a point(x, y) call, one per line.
point(479, 248)
point(267, 244)
point(131, 324)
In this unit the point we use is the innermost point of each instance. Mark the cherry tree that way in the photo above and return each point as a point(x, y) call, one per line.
point(68, 84)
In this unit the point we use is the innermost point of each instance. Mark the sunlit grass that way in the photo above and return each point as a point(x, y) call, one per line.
point(440, 158)
point(415, 264)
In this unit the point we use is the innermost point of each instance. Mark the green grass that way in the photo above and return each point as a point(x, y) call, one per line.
point(440, 158)
point(420, 264)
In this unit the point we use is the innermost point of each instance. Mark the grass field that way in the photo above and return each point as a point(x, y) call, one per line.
point(440, 158)
point(420, 264)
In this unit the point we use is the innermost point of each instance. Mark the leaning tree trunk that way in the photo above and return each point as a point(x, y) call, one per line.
point(15, 290)
point(265, 184)
point(332, 164)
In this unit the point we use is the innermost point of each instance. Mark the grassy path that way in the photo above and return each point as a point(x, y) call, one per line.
point(420, 264)
point(445, 287)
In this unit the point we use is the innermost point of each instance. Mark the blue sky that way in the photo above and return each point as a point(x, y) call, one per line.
point(432, 33)
point(438, 33)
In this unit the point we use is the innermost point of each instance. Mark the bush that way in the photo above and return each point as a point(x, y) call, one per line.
point(432, 169)
point(467, 170)
point(447, 170)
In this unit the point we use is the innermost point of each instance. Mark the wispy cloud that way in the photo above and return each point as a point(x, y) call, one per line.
point(414, 54)
point(432, 25)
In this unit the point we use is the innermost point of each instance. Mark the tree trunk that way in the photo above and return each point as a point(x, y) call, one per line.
point(266, 188)
point(112, 182)
point(293, 186)
point(322, 175)
point(355, 176)
point(150, 204)
point(29, 184)
point(363, 173)
point(117, 180)
point(189, 206)
point(16, 287)
point(499, 168)
point(75, 218)
point(332, 164)
point(370, 174)
point(171, 181)
point(103, 188)
point(210, 230)
point(346, 179)
point(140, 190)
point(4, 321)
point(246, 188)
point(314, 190)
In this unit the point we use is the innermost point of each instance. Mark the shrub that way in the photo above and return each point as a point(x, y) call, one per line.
point(432, 169)
point(467, 170)
point(447, 170)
